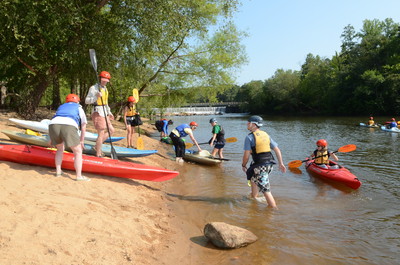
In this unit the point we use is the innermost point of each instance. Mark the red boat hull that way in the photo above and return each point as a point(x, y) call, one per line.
point(35, 155)
point(341, 175)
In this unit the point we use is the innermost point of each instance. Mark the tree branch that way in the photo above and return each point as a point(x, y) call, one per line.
point(27, 65)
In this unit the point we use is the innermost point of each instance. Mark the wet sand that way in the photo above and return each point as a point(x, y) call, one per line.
point(48, 220)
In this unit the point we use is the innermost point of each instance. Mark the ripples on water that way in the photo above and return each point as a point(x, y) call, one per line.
point(318, 222)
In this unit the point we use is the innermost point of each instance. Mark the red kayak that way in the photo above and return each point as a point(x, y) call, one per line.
point(340, 174)
point(35, 155)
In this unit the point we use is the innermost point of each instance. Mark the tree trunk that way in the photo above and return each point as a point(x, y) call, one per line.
point(56, 92)
point(32, 100)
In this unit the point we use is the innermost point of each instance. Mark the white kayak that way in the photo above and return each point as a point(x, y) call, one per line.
point(394, 129)
point(43, 127)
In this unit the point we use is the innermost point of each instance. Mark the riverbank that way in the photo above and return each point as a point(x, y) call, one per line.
point(48, 220)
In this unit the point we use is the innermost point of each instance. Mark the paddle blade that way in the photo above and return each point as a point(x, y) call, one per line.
point(114, 154)
point(295, 163)
point(93, 59)
point(188, 145)
point(140, 144)
point(295, 170)
point(30, 132)
point(135, 94)
point(231, 139)
point(347, 148)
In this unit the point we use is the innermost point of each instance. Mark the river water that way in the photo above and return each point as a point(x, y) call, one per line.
point(317, 222)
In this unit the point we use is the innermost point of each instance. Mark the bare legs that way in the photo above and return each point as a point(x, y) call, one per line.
point(129, 136)
point(268, 195)
point(77, 150)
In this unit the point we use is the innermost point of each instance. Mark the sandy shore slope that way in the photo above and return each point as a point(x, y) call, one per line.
point(48, 220)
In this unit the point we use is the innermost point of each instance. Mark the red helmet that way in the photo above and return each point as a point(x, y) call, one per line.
point(72, 98)
point(193, 123)
point(322, 142)
point(371, 118)
point(131, 99)
point(393, 119)
point(105, 74)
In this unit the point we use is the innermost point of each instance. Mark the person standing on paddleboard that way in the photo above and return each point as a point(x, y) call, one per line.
point(259, 145)
point(176, 136)
point(98, 96)
point(218, 138)
point(63, 131)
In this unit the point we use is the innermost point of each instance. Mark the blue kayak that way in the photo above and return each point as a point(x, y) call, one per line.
point(121, 151)
point(369, 126)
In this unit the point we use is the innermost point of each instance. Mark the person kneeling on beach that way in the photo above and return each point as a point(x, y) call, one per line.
point(176, 137)
point(64, 131)
point(258, 144)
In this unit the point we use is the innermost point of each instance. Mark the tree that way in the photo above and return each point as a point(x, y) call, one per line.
point(150, 44)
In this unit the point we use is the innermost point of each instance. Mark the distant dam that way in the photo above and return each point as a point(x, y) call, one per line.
point(201, 109)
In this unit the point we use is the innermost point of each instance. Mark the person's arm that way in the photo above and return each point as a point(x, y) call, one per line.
point(125, 112)
point(194, 140)
point(83, 131)
point(332, 154)
point(165, 128)
point(245, 159)
point(280, 160)
point(92, 95)
point(213, 139)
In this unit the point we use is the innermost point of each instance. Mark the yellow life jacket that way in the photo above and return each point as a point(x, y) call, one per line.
point(323, 159)
point(262, 142)
point(131, 111)
point(371, 122)
point(261, 151)
point(104, 92)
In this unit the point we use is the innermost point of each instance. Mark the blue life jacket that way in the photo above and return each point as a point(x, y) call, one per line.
point(69, 110)
point(181, 129)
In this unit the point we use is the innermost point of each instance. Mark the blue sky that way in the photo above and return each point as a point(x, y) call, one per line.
point(283, 32)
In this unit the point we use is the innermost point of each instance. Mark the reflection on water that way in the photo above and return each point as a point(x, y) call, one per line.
point(317, 222)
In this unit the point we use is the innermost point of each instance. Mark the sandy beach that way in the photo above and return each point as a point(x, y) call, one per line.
point(48, 220)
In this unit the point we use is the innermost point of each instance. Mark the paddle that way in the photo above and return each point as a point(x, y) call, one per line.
point(343, 149)
point(139, 143)
point(228, 140)
point(93, 59)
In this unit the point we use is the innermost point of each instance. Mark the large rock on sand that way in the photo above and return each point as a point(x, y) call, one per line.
point(224, 235)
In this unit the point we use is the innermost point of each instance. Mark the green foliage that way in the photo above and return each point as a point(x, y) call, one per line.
point(363, 78)
point(156, 46)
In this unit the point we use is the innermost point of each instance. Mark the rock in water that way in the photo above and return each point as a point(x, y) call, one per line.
point(224, 235)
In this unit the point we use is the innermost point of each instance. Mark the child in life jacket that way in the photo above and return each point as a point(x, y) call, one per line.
point(321, 155)
point(129, 119)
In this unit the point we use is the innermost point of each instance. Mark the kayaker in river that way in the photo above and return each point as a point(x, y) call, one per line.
point(176, 136)
point(259, 144)
point(392, 124)
point(129, 119)
point(101, 115)
point(218, 138)
point(162, 127)
point(321, 155)
point(63, 131)
point(371, 121)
